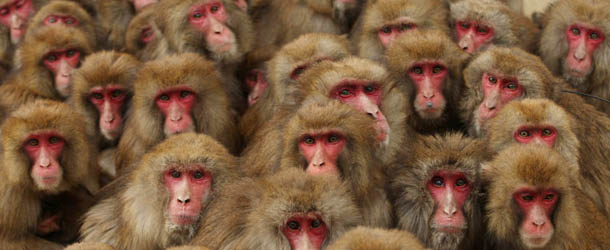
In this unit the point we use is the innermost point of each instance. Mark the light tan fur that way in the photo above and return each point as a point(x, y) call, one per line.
point(188, 247)
point(89, 246)
point(212, 114)
point(136, 217)
point(114, 16)
point(156, 48)
point(365, 238)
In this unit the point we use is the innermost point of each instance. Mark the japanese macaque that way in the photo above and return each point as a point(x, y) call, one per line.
point(114, 17)
point(384, 20)
point(428, 67)
point(284, 69)
point(254, 73)
point(48, 60)
point(573, 45)
point(534, 203)
point(480, 24)
point(189, 247)
point(15, 14)
point(288, 210)
point(217, 29)
point(435, 191)
point(176, 94)
point(500, 75)
point(279, 22)
point(102, 92)
point(143, 38)
point(167, 196)
point(48, 177)
point(89, 246)
point(365, 238)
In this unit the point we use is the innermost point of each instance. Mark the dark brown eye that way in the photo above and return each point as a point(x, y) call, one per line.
point(511, 85)
point(197, 15)
point(482, 30)
point(527, 197)
point(70, 53)
point(417, 70)
point(175, 174)
point(53, 140)
point(460, 182)
point(547, 132)
point(298, 71)
point(294, 225)
point(214, 8)
point(333, 138)
point(33, 142)
point(492, 79)
point(52, 20)
point(164, 98)
point(524, 133)
point(52, 58)
point(405, 26)
point(465, 25)
point(309, 140)
point(198, 175)
point(69, 20)
point(437, 69)
point(97, 96)
point(316, 223)
point(117, 93)
point(345, 92)
point(438, 181)
point(575, 31)
point(386, 29)
point(593, 36)
point(184, 94)
point(549, 197)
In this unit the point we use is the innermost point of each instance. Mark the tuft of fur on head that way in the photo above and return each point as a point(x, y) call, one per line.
point(366, 238)
point(156, 48)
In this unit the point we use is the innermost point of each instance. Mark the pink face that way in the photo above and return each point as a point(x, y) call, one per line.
point(210, 18)
point(140, 4)
point(429, 80)
point(188, 190)
point(473, 35)
point(147, 35)
point(62, 63)
point(583, 42)
point(257, 84)
point(365, 97)
point(537, 207)
point(305, 232)
point(44, 151)
point(66, 20)
point(109, 101)
point(388, 33)
point(322, 152)
point(15, 16)
point(539, 135)
point(177, 106)
point(497, 91)
point(449, 190)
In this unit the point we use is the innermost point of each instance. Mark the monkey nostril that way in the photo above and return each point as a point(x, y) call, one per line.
point(185, 201)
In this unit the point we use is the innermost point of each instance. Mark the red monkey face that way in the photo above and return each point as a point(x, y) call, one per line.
point(536, 206)
point(497, 92)
point(429, 80)
point(544, 135)
point(305, 232)
point(389, 32)
point(62, 63)
point(364, 97)
point(322, 152)
point(256, 82)
point(210, 19)
point(189, 190)
point(449, 190)
point(583, 41)
point(66, 20)
point(15, 16)
point(44, 151)
point(109, 101)
point(472, 35)
point(177, 106)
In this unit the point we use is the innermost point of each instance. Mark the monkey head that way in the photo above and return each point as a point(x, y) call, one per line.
point(430, 66)
point(532, 197)
point(102, 90)
point(143, 35)
point(345, 12)
point(62, 13)
point(138, 5)
point(254, 73)
point(175, 183)
point(15, 15)
point(497, 76)
point(46, 148)
point(436, 190)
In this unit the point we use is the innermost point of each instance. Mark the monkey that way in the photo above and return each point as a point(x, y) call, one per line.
point(49, 179)
point(535, 203)
point(500, 75)
point(167, 196)
point(176, 94)
point(216, 29)
point(143, 38)
point(384, 20)
point(188, 247)
point(287, 210)
point(428, 67)
point(89, 246)
point(15, 15)
point(49, 59)
point(573, 45)
point(479, 24)
point(114, 16)
point(254, 73)
point(102, 92)
point(284, 68)
point(435, 191)
point(365, 238)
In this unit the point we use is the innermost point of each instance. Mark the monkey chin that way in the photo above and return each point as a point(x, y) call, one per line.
point(538, 241)
point(446, 238)
point(180, 234)
point(227, 53)
point(48, 184)
point(576, 79)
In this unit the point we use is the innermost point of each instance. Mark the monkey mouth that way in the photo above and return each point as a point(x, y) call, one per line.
point(450, 229)
point(185, 219)
point(537, 242)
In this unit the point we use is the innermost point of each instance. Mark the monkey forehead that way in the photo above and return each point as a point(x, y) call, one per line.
point(103, 69)
point(424, 45)
point(324, 76)
point(531, 112)
point(593, 13)
point(425, 14)
point(61, 7)
point(53, 38)
point(491, 13)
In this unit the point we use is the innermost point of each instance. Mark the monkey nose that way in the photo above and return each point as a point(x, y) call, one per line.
point(538, 223)
point(318, 164)
point(450, 210)
point(184, 200)
point(45, 163)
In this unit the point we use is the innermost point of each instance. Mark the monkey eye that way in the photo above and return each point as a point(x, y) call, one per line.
point(214, 8)
point(549, 197)
point(71, 53)
point(594, 36)
point(4, 11)
point(117, 93)
point(33, 142)
point(164, 97)
point(417, 70)
point(524, 133)
point(547, 132)
point(184, 94)
point(511, 85)
point(175, 174)
point(527, 197)
point(294, 225)
point(405, 26)
point(345, 93)
point(482, 29)
point(465, 25)
point(333, 138)
point(316, 223)
point(69, 20)
point(19, 4)
point(52, 58)
point(437, 69)
point(198, 175)
point(492, 79)
point(438, 181)
point(52, 19)
point(461, 182)
point(369, 89)
point(575, 31)
point(309, 140)
point(386, 29)
point(197, 15)
point(299, 70)
point(97, 96)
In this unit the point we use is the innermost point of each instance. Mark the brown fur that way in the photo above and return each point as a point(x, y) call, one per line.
point(89, 246)
point(413, 203)
point(554, 45)
point(156, 48)
point(364, 238)
point(249, 213)
point(114, 16)
point(23, 203)
point(577, 222)
point(511, 29)
point(188, 248)
point(429, 46)
point(304, 51)
point(136, 217)
point(591, 126)
point(211, 114)
point(425, 14)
